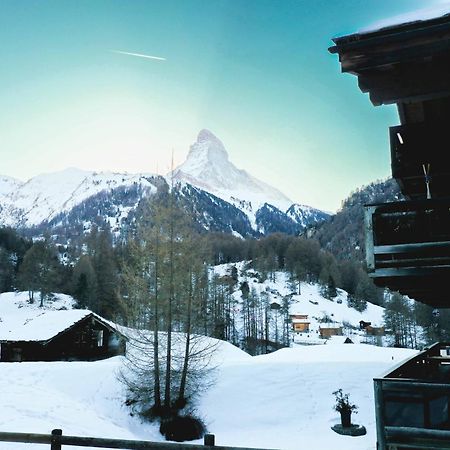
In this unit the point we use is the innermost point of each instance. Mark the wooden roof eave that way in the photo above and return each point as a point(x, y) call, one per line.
point(401, 64)
point(394, 34)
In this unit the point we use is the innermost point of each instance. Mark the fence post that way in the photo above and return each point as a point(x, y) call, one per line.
point(56, 440)
point(209, 439)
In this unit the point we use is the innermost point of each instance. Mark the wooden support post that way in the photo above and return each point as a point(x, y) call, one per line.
point(56, 440)
point(379, 415)
point(209, 439)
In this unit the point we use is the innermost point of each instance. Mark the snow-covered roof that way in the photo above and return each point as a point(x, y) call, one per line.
point(43, 327)
point(432, 12)
point(301, 321)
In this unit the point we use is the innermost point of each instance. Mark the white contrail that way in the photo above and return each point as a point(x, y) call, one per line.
point(140, 55)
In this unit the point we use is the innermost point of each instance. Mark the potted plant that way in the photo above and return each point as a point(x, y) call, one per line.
point(344, 407)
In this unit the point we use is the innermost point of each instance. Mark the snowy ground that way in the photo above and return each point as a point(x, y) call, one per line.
point(282, 400)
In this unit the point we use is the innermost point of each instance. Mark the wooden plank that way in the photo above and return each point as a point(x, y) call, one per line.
point(413, 247)
point(400, 385)
point(411, 272)
point(368, 224)
point(33, 438)
point(379, 414)
point(365, 60)
point(408, 437)
point(439, 358)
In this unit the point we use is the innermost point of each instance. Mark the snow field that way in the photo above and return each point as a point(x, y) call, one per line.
point(282, 400)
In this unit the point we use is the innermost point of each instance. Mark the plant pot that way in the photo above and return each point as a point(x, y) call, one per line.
point(346, 419)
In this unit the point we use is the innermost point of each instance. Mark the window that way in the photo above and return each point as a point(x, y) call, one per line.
point(100, 338)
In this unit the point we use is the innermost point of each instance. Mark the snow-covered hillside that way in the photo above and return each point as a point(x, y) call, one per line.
point(283, 400)
point(45, 196)
point(320, 311)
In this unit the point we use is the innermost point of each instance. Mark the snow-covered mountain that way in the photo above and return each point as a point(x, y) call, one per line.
point(220, 197)
point(45, 196)
point(208, 167)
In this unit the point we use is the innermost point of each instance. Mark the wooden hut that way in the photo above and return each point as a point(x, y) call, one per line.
point(62, 335)
point(327, 332)
point(300, 323)
point(375, 331)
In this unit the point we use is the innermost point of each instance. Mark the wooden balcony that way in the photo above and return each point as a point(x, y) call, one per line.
point(419, 150)
point(408, 248)
point(412, 402)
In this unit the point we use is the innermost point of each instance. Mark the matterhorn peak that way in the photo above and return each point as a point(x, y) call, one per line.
point(207, 166)
point(207, 149)
point(207, 136)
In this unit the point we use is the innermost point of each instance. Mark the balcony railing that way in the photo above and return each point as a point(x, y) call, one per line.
point(408, 248)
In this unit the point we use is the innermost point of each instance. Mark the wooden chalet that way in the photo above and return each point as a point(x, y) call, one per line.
point(62, 336)
point(327, 332)
point(375, 331)
point(408, 243)
point(300, 323)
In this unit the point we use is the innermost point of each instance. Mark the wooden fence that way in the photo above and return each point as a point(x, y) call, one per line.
point(56, 440)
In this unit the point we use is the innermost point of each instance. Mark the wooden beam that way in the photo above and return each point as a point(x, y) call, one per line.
point(33, 438)
point(408, 437)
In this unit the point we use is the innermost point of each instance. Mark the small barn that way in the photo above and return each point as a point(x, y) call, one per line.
point(300, 323)
point(327, 332)
point(62, 336)
point(375, 331)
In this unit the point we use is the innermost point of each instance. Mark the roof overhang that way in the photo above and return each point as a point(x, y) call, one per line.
point(400, 63)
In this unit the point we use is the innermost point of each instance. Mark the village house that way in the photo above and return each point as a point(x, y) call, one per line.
point(375, 331)
point(327, 332)
point(300, 323)
point(62, 336)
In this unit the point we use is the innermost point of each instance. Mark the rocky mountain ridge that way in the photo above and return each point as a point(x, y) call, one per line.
point(220, 197)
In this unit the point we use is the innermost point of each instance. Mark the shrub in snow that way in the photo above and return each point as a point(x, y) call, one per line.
point(182, 428)
point(344, 407)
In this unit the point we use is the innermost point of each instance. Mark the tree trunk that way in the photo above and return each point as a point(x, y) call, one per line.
point(167, 393)
point(181, 395)
point(156, 386)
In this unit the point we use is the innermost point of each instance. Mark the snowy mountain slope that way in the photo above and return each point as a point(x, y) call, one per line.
point(8, 185)
point(43, 197)
point(305, 215)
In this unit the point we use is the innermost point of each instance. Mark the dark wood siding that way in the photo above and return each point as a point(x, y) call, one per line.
point(89, 339)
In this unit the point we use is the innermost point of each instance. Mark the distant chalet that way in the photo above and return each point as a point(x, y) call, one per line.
point(73, 335)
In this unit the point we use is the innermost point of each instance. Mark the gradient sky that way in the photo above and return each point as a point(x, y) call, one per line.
point(257, 73)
